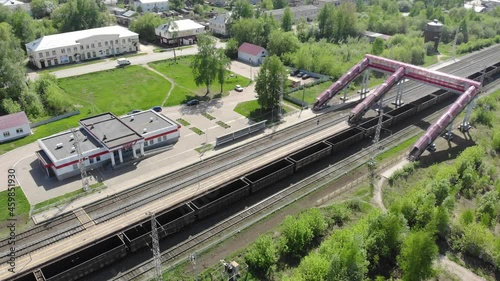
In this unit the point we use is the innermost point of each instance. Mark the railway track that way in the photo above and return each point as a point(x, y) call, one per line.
point(118, 204)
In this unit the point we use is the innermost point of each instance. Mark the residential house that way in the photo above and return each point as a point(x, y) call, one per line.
point(151, 5)
point(187, 31)
point(252, 54)
point(220, 24)
point(14, 126)
point(14, 4)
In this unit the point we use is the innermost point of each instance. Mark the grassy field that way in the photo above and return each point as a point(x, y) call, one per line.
point(22, 206)
point(185, 88)
point(252, 110)
point(118, 90)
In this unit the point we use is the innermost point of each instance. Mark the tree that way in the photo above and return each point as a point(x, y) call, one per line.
point(145, 26)
point(287, 20)
point(313, 267)
point(52, 97)
point(316, 221)
point(281, 42)
point(296, 234)
point(267, 5)
point(204, 64)
point(232, 48)
point(176, 4)
point(12, 79)
point(42, 8)
point(223, 63)
point(81, 14)
point(262, 254)
point(378, 47)
point(269, 82)
point(417, 255)
point(347, 257)
point(23, 26)
point(279, 4)
point(496, 141)
point(242, 9)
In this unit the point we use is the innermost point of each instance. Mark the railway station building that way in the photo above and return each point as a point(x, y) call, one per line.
point(105, 139)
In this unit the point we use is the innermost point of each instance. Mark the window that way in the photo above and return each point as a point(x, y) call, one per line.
point(47, 54)
point(99, 44)
point(98, 158)
point(40, 55)
point(92, 45)
point(87, 46)
point(6, 134)
point(63, 51)
point(106, 43)
point(75, 166)
point(151, 142)
point(81, 47)
point(111, 42)
point(91, 160)
point(123, 41)
point(19, 130)
point(164, 138)
point(75, 49)
point(146, 143)
point(129, 40)
point(116, 41)
point(53, 52)
point(117, 50)
point(93, 54)
point(159, 139)
point(69, 50)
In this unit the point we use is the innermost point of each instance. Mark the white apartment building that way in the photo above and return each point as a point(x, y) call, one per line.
point(220, 24)
point(81, 45)
point(308, 12)
point(152, 5)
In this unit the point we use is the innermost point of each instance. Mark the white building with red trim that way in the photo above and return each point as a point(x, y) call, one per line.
point(14, 126)
point(106, 138)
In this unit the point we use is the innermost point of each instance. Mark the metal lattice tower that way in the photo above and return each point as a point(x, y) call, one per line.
point(81, 161)
point(373, 163)
point(156, 249)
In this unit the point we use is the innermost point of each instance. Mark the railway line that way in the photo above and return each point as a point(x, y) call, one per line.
point(151, 191)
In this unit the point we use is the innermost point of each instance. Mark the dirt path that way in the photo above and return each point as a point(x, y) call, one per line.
point(459, 271)
point(166, 77)
point(377, 194)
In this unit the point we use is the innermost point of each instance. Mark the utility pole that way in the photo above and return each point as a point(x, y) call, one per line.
point(81, 161)
point(372, 164)
point(192, 258)
point(280, 113)
point(156, 249)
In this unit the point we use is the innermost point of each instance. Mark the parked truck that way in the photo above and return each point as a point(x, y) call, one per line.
point(123, 62)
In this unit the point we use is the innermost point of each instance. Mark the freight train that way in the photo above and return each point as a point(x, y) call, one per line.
point(172, 220)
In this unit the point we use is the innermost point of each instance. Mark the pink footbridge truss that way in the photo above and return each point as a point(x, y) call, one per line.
point(398, 72)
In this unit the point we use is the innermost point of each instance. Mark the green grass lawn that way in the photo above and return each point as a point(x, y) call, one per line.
point(185, 88)
point(118, 91)
point(251, 109)
point(21, 208)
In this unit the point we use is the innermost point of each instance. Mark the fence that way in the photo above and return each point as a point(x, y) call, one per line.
point(240, 133)
point(53, 119)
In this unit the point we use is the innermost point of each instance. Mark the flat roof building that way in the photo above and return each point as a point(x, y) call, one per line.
point(151, 5)
point(308, 12)
point(14, 126)
point(80, 45)
point(105, 138)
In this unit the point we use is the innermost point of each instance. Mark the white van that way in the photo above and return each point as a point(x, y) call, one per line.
point(122, 62)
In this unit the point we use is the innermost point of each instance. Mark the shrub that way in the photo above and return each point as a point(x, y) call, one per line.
point(262, 254)
point(316, 221)
point(496, 141)
point(297, 236)
point(482, 116)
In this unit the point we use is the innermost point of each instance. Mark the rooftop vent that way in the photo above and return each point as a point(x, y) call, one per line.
point(150, 119)
point(84, 138)
point(145, 130)
point(71, 138)
point(72, 149)
point(132, 118)
point(59, 145)
point(104, 137)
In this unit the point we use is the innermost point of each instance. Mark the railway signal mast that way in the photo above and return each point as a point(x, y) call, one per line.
point(156, 249)
point(372, 164)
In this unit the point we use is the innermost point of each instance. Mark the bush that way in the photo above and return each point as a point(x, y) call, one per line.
point(429, 48)
point(262, 254)
point(297, 236)
point(316, 221)
point(482, 116)
point(496, 141)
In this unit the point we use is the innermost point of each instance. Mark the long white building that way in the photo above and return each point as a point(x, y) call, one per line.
point(103, 139)
point(81, 45)
point(152, 5)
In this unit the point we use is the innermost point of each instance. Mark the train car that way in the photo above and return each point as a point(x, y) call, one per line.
point(345, 138)
point(424, 102)
point(402, 112)
point(220, 197)
point(174, 220)
point(138, 236)
point(310, 154)
point(371, 125)
point(86, 260)
point(270, 174)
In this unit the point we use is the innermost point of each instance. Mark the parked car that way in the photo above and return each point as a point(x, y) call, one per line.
point(294, 72)
point(122, 62)
point(193, 102)
point(157, 108)
point(133, 111)
point(306, 76)
point(238, 88)
point(300, 74)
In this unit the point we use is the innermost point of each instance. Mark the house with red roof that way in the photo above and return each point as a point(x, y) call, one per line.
point(14, 126)
point(252, 54)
